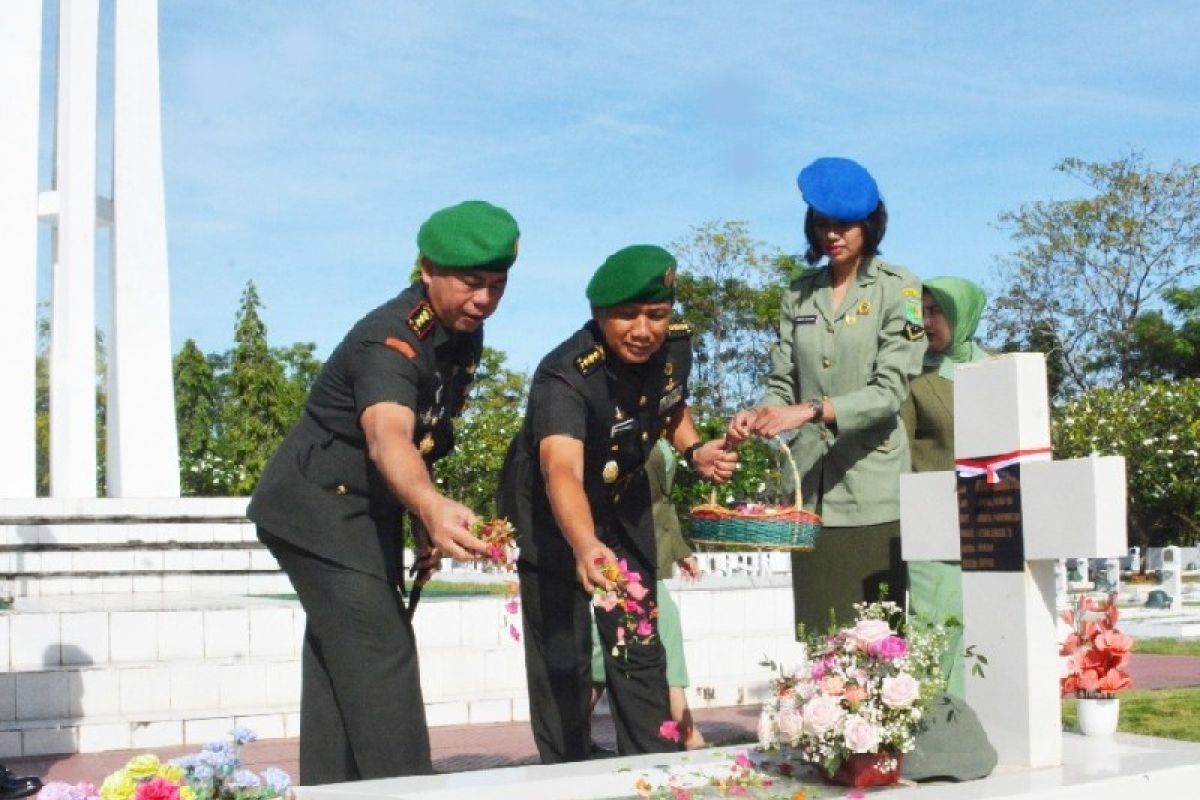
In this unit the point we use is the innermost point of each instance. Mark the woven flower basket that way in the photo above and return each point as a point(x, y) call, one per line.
point(791, 528)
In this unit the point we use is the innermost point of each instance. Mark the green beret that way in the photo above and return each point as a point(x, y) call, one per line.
point(642, 273)
point(470, 235)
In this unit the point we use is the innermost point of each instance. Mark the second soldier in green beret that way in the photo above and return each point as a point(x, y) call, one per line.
point(574, 485)
point(330, 503)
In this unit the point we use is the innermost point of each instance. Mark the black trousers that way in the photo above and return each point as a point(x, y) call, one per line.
point(558, 654)
point(361, 711)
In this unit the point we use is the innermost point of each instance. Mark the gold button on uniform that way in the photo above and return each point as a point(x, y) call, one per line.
point(340, 489)
point(645, 435)
point(826, 363)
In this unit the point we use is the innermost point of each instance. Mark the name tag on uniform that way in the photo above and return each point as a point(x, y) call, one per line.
point(671, 399)
point(805, 319)
point(622, 426)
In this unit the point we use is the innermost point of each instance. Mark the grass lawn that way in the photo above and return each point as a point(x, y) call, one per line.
point(1167, 647)
point(1169, 713)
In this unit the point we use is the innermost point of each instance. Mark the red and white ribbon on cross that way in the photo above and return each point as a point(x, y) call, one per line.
point(990, 465)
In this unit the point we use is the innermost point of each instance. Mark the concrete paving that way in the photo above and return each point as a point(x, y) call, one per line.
point(471, 747)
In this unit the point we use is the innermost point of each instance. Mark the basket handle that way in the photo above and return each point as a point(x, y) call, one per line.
point(787, 452)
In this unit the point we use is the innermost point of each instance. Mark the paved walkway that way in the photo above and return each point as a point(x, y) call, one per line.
point(469, 747)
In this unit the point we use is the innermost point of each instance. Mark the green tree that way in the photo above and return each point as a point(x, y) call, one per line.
point(1163, 349)
point(729, 289)
point(255, 413)
point(196, 415)
point(1156, 428)
point(1092, 266)
point(301, 368)
point(492, 417)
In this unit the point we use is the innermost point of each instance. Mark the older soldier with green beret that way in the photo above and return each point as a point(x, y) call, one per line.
point(574, 485)
point(850, 338)
point(330, 503)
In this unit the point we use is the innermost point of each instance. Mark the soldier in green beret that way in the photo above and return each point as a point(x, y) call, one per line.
point(850, 338)
point(331, 502)
point(574, 485)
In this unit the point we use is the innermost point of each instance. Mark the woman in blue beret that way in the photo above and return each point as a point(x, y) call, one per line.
point(850, 338)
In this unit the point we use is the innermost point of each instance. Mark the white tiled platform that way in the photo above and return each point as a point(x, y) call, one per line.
point(85, 673)
point(1093, 769)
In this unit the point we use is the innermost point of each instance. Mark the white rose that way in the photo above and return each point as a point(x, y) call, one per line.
point(790, 723)
point(820, 715)
point(869, 631)
point(900, 691)
point(860, 736)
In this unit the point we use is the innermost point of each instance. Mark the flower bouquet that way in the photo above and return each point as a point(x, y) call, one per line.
point(501, 538)
point(853, 708)
point(215, 773)
point(756, 526)
point(1094, 652)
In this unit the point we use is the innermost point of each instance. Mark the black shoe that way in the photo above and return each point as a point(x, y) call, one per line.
point(12, 787)
point(595, 751)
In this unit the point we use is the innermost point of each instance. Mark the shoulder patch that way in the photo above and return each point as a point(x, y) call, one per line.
point(914, 332)
point(421, 319)
point(402, 347)
point(679, 330)
point(590, 360)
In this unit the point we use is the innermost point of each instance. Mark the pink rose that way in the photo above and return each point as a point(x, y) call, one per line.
point(157, 789)
point(860, 736)
point(870, 631)
point(636, 590)
point(644, 628)
point(820, 715)
point(789, 722)
point(900, 691)
point(833, 685)
point(889, 648)
point(669, 730)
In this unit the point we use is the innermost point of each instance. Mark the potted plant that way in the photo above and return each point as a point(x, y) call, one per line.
point(1094, 655)
point(853, 707)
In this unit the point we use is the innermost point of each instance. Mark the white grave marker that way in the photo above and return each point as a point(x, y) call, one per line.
point(1172, 576)
point(1009, 513)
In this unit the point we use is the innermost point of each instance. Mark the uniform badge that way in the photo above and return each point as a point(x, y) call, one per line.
point(421, 319)
point(679, 330)
point(590, 360)
point(426, 445)
point(611, 472)
point(915, 333)
point(617, 413)
point(670, 399)
point(912, 312)
point(805, 319)
point(851, 319)
point(668, 368)
point(400, 346)
point(864, 308)
point(909, 291)
point(622, 426)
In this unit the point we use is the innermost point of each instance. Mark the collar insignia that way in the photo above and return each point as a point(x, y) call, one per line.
point(421, 319)
point(590, 360)
point(679, 330)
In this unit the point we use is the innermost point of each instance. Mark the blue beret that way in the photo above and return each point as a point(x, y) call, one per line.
point(839, 188)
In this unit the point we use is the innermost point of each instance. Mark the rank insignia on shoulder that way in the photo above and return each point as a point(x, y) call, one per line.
point(402, 347)
point(914, 332)
point(679, 330)
point(909, 291)
point(421, 319)
point(590, 360)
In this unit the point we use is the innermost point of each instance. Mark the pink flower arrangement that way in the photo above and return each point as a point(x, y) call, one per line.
point(629, 596)
point(501, 538)
point(863, 689)
point(1094, 653)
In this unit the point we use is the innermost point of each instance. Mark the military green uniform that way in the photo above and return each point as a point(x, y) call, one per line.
point(618, 411)
point(859, 357)
point(333, 524)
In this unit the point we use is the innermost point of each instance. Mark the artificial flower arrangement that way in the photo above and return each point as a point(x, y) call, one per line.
point(215, 773)
point(861, 690)
point(629, 595)
point(1094, 652)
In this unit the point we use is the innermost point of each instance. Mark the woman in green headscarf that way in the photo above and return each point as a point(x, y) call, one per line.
point(952, 308)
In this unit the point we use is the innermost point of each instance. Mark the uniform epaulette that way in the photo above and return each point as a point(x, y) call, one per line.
point(679, 330)
point(590, 360)
point(421, 319)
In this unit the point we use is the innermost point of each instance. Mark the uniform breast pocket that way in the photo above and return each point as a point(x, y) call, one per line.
point(336, 467)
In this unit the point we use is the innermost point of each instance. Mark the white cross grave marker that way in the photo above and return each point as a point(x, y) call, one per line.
point(1009, 513)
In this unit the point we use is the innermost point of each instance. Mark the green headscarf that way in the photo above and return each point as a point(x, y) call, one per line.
point(961, 302)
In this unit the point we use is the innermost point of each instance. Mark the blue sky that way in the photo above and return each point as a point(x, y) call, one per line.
point(306, 141)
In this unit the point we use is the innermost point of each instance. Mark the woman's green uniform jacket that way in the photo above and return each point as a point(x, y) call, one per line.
point(860, 357)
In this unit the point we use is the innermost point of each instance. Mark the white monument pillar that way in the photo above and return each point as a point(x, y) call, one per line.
point(1010, 514)
point(1172, 576)
point(73, 316)
point(143, 448)
point(20, 70)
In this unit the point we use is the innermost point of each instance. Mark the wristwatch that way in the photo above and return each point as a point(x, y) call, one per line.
point(689, 453)
point(818, 410)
